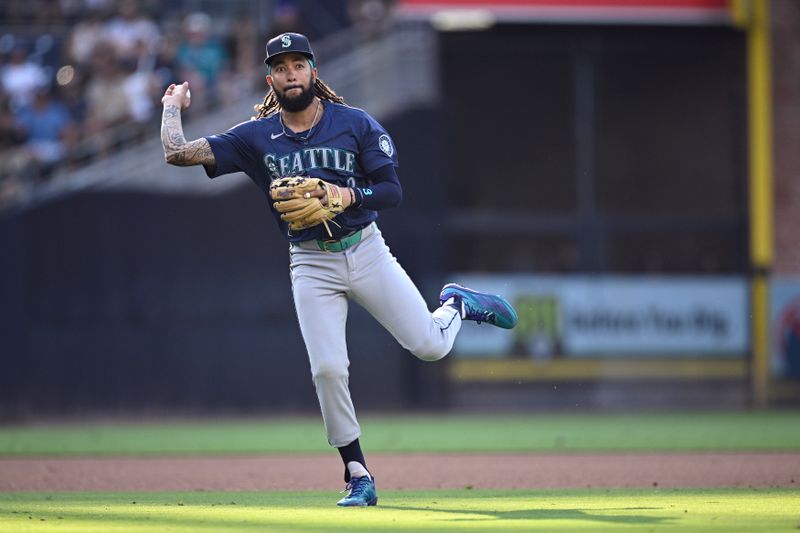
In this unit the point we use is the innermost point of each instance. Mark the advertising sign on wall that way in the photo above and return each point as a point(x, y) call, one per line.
point(785, 327)
point(613, 316)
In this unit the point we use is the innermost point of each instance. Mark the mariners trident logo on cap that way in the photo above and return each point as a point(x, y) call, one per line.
point(288, 42)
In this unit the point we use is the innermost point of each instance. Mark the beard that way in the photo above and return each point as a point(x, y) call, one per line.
point(293, 104)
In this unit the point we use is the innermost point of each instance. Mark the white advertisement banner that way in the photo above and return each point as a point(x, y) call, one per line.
point(613, 316)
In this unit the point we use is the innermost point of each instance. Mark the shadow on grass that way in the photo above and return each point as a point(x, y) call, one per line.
point(135, 520)
point(147, 520)
point(299, 512)
point(547, 514)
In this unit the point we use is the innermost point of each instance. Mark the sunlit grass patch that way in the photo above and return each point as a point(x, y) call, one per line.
point(412, 511)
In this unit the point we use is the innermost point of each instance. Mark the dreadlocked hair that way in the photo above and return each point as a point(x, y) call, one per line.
point(321, 90)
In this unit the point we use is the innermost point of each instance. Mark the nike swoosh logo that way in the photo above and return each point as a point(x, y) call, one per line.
point(275, 135)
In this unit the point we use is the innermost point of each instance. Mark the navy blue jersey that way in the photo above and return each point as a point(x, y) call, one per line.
point(344, 148)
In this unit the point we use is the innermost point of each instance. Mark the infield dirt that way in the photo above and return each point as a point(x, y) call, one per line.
point(403, 471)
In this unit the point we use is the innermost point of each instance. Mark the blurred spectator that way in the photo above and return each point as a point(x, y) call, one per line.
point(106, 98)
point(165, 68)
point(248, 50)
point(72, 10)
point(41, 13)
point(110, 61)
point(85, 37)
point(370, 18)
point(98, 4)
point(248, 53)
point(286, 17)
point(25, 153)
point(141, 85)
point(10, 138)
point(129, 28)
point(48, 129)
point(20, 77)
point(71, 92)
point(10, 134)
point(201, 58)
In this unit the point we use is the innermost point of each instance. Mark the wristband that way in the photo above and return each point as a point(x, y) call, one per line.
point(360, 197)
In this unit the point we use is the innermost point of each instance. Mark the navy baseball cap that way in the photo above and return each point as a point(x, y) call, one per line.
point(288, 42)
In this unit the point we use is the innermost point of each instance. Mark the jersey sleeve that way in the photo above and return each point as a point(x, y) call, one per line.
point(377, 148)
point(384, 192)
point(233, 151)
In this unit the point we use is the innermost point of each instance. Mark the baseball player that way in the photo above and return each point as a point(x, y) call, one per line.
point(326, 169)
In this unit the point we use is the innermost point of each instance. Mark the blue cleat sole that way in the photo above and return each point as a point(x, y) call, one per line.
point(373, 501)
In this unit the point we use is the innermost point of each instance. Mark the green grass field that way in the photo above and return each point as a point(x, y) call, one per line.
point(463, 510)
point(414, 511)
point(728, 431)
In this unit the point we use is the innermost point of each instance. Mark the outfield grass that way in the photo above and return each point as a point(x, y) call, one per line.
point(741, 431)
point(462, 510)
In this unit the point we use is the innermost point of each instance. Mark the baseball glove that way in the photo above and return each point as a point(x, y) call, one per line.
point(294, 200)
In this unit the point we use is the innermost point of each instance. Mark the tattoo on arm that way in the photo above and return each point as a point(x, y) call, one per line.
point(177, 150)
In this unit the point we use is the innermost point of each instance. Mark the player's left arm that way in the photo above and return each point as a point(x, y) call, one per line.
point(384, 192)
point(177, 150)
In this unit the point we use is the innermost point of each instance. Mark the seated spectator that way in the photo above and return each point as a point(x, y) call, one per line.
point(371, 18)
point(200, 56)
point(10, 133)
point(106, 99)
point(11, 137)
point(241, 76)
point(141, 86)
point(286, 17)
point(129, 28)
point(72, 94)
point(165, 66)
point(48, 128)
point(20, 77)
point(36, 13)
point(84, 37)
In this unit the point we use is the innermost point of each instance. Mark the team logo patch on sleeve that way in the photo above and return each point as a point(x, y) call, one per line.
point(385, 144)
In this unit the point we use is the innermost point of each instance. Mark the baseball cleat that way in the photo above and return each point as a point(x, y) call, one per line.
point(480, 306)
point(362, 493)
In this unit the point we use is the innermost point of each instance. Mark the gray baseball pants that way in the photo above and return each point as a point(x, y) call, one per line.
point(369, 274)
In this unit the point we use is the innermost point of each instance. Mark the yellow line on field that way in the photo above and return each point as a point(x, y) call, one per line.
point(498, 370)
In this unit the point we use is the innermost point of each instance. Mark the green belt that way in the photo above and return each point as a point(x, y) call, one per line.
point(342, 244)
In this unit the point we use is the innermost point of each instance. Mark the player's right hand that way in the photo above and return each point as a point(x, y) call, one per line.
point(178, 95)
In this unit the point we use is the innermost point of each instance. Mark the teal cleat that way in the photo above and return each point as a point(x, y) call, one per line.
point(480, 306)
point(362, 493)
